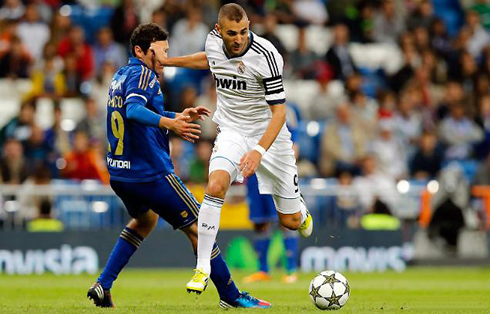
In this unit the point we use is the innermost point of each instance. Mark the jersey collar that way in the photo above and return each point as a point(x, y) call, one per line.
point(250, 42)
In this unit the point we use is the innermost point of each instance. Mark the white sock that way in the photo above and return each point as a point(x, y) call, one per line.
point(207, 229)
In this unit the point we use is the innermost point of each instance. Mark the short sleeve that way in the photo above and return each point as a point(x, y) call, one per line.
point(139, 86)
point(271, 69)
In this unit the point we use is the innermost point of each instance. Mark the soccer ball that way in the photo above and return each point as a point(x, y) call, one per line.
point(329, 290)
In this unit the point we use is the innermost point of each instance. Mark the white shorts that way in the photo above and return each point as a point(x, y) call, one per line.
point(277, 173)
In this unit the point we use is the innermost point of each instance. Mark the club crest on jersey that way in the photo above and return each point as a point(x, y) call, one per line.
point(241, 67)
point(227, 83)
point(152, 83)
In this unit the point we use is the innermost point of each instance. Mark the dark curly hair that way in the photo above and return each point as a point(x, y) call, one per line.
point(145, 34)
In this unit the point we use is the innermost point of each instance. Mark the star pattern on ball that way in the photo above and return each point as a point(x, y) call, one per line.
point(334, 300)
point(330, 279)
point(347, 288)
point(314, 292)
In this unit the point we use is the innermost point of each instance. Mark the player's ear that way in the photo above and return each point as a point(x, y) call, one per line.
point(218, 28)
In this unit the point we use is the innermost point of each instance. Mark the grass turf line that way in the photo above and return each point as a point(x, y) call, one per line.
point(418, 290)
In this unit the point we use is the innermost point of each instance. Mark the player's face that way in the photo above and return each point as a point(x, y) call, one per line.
point(235, 35)
point(157, 53)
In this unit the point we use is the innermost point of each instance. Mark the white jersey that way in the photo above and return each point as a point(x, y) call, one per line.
point(246, 85)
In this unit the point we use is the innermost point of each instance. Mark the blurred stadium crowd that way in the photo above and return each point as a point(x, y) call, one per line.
point(379, 90)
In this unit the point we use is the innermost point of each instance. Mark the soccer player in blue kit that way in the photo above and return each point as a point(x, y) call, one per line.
point(142, 173)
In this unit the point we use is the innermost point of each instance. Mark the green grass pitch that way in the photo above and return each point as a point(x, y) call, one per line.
point(418, 290)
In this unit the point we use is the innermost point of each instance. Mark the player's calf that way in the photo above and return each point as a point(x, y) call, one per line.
point(290, 221)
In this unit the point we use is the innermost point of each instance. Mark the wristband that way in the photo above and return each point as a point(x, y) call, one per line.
point(260, 149)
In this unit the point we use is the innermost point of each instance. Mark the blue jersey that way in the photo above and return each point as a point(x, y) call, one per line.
point(136, 152)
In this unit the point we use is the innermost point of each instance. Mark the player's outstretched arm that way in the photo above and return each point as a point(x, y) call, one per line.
point(197, 61)
point(251, 160)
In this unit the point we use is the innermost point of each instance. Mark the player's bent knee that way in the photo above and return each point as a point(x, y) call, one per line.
point(217, 188)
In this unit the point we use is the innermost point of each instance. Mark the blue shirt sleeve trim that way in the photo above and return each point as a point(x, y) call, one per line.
point(276, 102)
point(141, 114)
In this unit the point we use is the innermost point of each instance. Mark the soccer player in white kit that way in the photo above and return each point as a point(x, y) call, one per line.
point(252, 134)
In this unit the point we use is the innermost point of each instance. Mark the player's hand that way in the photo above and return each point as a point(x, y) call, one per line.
point(197, 113)
point(250, 162)
point(182, 127)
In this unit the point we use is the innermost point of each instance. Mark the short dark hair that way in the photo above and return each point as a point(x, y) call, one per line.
point(232, 12)
point(145, 34)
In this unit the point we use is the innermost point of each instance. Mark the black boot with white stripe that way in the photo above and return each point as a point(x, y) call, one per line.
point(101, 297)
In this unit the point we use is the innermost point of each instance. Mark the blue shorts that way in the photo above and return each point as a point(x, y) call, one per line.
point(168, 197)
point(261, 206)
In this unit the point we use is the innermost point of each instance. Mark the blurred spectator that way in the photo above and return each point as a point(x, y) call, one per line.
point(188, 98)
point(479, 37)
point(302, 60)
point(423, 16)
point(189, 34)
point(365, 110)
point(390, 152)
point(323, 105)
point(427, 160)
point(124, 21)
point(311, 11)
point(33, 32)
point(482, 176)
point(338, 56)
point(83, 162)
point(459, 133)
point(45, 222)
point(16, 62)
point(36, 148)
point(270, 29)
point(483, 120)
point(7, 32)
point(361, 25)
point(388, 24)
point(19, 127)
point(181, 164)
point(199, 165)
point(439, 38)
point(284, 11)
point(453, 95)
point(387, 104)
point(482, 7)
point(208, 99)
point(407, 121)
point(101, 83)
point(421, 38)
point(60, 27)
point(48, 81)
point(346, 201)
point(72, 76)
point(30, 205)
point(94, 123)
point(58, 141)
point(12, 10)
point(13, 165)
point(343, 144)
point(375, 188)
point(159, 17)
point(106, 50)
point(74, 44)
point(380, 218)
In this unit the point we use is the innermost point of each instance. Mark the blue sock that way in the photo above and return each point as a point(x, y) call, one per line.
point(125, 247)
point(261, 246)
point(221, 277)
point(291, 246)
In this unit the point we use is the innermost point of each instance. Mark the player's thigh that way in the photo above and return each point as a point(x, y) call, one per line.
point(132, 195)
point(228, 149)
point(278, 176)
point(172, 201)
point(261, 206)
